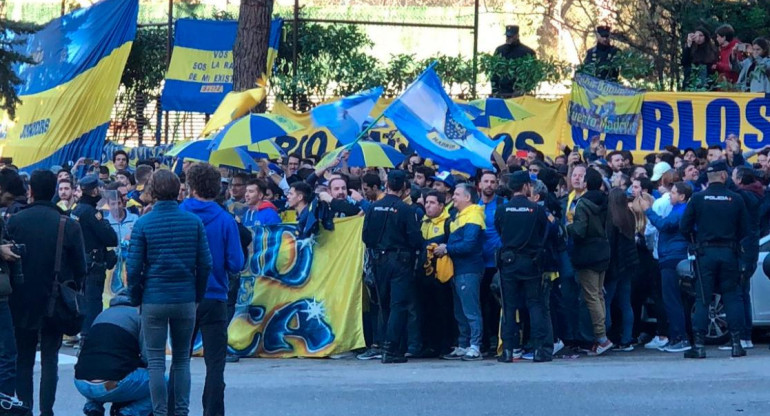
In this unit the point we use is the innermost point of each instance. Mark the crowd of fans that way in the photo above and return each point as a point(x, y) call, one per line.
point(183, 240)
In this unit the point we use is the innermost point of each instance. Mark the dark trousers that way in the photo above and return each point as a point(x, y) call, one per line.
point(234, 283)
point(558, 317)
point(672, 300)
point(7, 350)
point(438, 325)
point(394, 280)
point(490, 311)
point(535, 293)
point(647, 284)
point(748, 319)
point(211, 321)
point(414, 322)
point(26, 343)
point(718, 267)
point(93, 291)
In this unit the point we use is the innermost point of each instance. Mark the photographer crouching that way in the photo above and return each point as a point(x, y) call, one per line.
point(10, 276)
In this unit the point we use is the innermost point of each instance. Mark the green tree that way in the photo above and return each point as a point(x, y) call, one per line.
point(144, 71)
point(12, 37)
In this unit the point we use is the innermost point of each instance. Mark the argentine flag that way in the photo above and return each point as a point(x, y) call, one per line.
point(437, 128)
point(345, 118)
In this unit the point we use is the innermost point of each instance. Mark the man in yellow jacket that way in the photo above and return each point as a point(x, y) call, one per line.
point(464, 247)
point(435, 288)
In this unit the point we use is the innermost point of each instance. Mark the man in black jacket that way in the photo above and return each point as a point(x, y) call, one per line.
point(512, 49)
point(591, 254)
point(110, 367)
point(98, 235)
point(599, 59)
point(37, 227)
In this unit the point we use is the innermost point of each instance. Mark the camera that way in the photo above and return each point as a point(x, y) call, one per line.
point(15, 269)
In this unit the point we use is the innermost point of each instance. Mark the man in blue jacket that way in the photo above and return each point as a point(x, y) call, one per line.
point(465, 244)
point(204, 182)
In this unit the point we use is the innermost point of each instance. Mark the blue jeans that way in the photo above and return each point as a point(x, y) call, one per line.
point(7, 351)
point(133, 393)
point(672, 300)
point(619, 290)
point(467, 309)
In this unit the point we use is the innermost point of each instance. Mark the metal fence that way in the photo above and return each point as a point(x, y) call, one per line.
point(420, 23)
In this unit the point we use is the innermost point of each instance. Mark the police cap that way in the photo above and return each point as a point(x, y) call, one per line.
point(511, 30)
point(90, 182)
point(519, 178)
point(396, 179)
point(717, 166)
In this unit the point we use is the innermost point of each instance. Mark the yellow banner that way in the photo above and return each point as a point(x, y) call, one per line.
point(668, 119)
point(197, 65)
point(301, 297)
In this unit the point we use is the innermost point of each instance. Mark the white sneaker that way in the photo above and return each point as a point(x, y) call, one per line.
point(558, 346)
point(472, 354)
point(656, 343)
point(456, 354)
point(747, 345)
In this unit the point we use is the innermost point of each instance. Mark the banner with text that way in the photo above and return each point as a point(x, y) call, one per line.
point(301, 297)
point(680, 119)
point(68, 94)
point(604, 106)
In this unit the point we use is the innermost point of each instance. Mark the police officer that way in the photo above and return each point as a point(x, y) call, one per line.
point(512, 49)
point(98, 235)
point(392, 234)
point(522, 225)
point(718, 221)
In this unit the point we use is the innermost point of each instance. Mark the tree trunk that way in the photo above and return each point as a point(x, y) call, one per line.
point(251, 44)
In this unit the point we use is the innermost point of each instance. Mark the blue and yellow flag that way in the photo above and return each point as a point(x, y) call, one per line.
point(68, 96)
point(437, 128)
point(604, 107)
point(301, 297)
point(276, 28)
point(200, 73)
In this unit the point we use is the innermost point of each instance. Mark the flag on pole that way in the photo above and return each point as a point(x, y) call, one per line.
point(345, 117)
point(437, 128)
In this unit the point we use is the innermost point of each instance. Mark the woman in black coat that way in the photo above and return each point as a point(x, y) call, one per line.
point(624, 261)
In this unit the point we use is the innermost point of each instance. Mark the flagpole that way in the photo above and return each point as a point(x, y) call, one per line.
point(370, 126)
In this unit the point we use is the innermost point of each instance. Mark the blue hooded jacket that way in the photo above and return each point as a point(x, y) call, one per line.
point(672, 246)
point(224, 244)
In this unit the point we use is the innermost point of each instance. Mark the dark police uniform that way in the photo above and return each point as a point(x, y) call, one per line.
point(98, 235)
point(503, 86)
point(718, 219)
point(392, 235)
point(523, 226)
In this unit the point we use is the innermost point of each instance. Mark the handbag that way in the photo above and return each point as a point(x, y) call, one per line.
point(66, 301)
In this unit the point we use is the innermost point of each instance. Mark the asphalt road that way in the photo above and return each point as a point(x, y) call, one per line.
point(624, 384)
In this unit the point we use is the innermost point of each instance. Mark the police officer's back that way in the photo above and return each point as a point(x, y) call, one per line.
point(392, 235)
point(523, 226)
point(98, 235)
point(512, 49)
point(718, 221)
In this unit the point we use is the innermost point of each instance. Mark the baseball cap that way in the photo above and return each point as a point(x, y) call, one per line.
point(659, 169)
point(446, 178)
point(603, 31)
